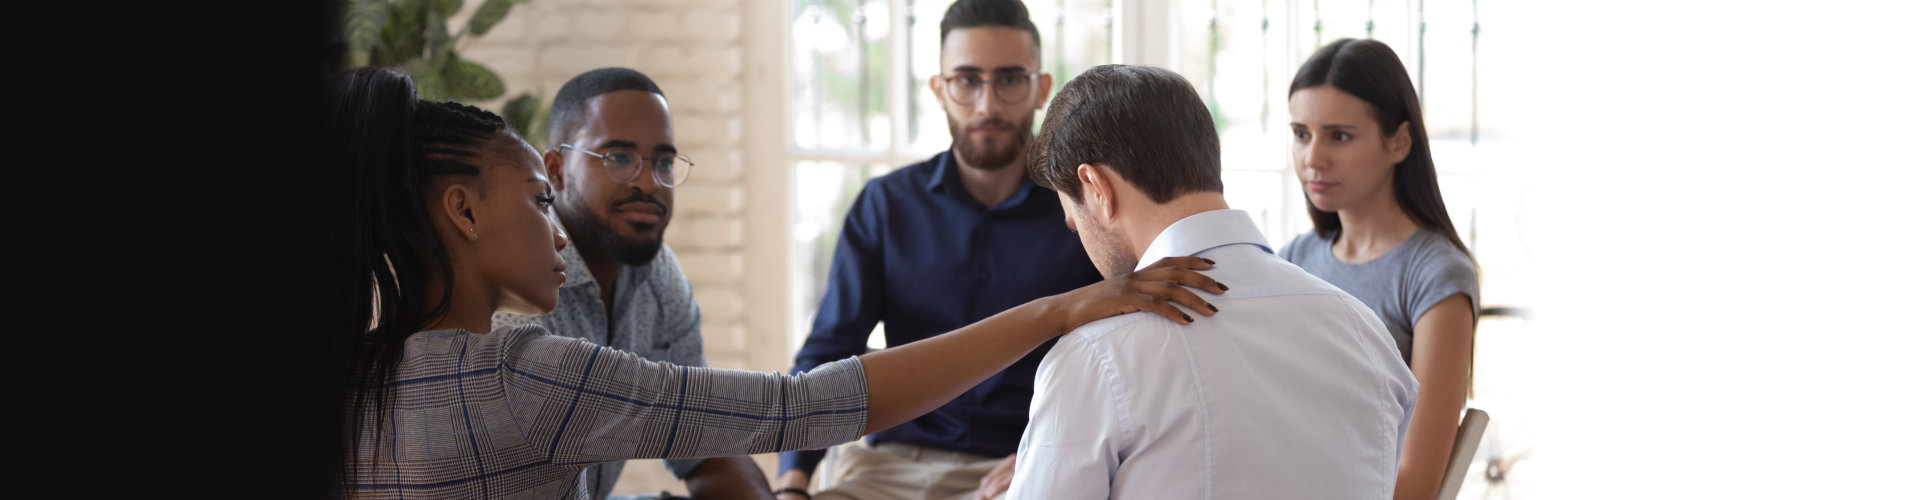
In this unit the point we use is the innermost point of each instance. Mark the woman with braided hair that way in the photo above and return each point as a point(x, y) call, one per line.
point(445, 218)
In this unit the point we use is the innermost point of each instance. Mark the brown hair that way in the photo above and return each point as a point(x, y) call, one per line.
point(1146, 123)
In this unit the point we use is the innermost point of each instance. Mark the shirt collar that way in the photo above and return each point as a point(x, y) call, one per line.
point(1201, 232)
point(946, 179)
point(579, 275)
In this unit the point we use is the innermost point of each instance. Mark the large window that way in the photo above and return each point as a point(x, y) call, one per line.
point(860, 107)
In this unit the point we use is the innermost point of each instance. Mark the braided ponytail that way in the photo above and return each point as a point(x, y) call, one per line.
point(388, 147)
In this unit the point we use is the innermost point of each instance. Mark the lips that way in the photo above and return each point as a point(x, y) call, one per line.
point(990, 127)
point(640, 212)
point(1321, 186)
point(561, 269)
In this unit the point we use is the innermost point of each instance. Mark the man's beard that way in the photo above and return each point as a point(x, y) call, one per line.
point(1119, 258)
point(986, 156)
point(597, 232)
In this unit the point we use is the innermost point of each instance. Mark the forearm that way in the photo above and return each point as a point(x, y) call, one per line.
point(728, 477)
point(1423, 458)
point(1429, 443)
point(905, 382)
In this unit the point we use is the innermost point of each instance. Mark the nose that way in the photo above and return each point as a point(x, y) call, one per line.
point(1314, 157)
point(983, 101)
point(643, 181)
point(559, 236)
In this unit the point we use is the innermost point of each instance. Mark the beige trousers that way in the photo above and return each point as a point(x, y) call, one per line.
point(890, 471)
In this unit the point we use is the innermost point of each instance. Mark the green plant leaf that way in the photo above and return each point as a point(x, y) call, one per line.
point(489, 14)
point(439, 44)
point(363, 22)
point(404, 36)
point(469, 81)
point(428, 78)
point(538, 137)
point(446, 8)
point(519, 112)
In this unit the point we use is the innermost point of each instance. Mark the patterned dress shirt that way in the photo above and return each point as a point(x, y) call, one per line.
point(518, 413)
point(654, 316)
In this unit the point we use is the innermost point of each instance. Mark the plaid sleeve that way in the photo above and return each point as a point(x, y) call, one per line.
point(583, 403)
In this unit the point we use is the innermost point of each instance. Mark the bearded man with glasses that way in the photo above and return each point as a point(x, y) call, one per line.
point(614, 167)
point(936, 246)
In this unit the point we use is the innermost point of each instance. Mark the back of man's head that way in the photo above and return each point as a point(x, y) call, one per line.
point(570, 105)
point(988, 13)
point(1145, 123)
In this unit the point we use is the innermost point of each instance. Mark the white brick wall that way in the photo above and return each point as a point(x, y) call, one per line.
point(695, 50)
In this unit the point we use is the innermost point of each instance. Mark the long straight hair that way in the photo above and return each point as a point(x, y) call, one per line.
point(1371, 71)
point(385, 149)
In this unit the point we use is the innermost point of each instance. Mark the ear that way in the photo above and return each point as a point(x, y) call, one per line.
point(1046, 90)
point(934, 84)
point(1401, 145)
point(457, 204)
point(556, 171)
point(1097, 191)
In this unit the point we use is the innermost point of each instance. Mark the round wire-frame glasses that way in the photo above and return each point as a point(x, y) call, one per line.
point(1010, 88)
point(623, 166)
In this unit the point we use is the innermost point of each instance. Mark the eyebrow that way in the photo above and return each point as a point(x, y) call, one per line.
point(1327, 126)
point(616, 143)
point(1003, 69)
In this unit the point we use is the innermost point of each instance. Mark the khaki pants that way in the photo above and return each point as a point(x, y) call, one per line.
point(890, 471)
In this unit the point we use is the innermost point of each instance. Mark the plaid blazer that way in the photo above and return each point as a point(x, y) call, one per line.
point(519, 413)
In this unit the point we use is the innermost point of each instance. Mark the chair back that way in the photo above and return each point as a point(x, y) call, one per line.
point(1465, 442)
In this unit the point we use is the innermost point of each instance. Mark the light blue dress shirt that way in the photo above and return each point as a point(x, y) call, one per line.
point(1294, 390)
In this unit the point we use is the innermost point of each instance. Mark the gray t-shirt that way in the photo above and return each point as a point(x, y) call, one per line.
point(1400, 285)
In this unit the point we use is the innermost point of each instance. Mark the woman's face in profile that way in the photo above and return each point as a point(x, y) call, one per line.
point(518, 237)
point(1339, 153)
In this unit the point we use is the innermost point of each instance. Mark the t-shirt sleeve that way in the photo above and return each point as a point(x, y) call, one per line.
point(583, 403)
point(1442, 272)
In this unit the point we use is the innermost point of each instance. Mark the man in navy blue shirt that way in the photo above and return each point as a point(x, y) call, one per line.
point(939, 245)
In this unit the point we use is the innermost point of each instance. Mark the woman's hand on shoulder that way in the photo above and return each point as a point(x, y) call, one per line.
point(1153, 289)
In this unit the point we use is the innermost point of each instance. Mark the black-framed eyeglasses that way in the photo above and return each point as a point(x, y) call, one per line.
point(1010, 88)
point(623, 165)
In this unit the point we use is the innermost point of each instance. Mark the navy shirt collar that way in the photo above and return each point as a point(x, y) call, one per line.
point(946, 180)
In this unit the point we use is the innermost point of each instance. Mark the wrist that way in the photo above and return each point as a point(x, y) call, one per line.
point(793, 478)
point(1052, 314)
point(792, 493)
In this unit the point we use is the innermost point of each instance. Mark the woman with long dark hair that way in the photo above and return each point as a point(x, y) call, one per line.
point(1381, 233)
point(444, 218)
